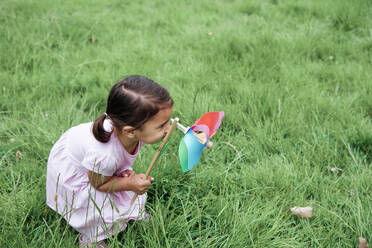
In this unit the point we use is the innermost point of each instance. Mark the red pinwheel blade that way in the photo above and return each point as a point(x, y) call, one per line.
point(212, 120)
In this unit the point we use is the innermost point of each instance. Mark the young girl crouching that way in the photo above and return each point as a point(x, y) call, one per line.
point(90, 180)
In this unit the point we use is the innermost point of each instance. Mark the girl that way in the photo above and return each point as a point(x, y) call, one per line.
point(90, 181)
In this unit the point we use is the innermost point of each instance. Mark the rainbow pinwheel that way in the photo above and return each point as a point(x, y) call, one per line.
point(192, 144)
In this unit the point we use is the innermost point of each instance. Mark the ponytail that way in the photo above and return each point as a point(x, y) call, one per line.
point(99, 131)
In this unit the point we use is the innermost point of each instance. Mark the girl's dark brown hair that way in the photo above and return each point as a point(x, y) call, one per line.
point(131, 102)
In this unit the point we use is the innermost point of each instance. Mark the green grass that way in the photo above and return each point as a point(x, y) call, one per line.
point(294, 80)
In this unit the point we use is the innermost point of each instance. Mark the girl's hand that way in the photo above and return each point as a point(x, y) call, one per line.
point(127, 173)
point(140, 184)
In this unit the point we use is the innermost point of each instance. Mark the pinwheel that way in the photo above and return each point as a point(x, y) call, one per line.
point(193, 143)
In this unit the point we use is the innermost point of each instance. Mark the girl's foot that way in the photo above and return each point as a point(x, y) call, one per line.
point(84, 242)
point(146, 217)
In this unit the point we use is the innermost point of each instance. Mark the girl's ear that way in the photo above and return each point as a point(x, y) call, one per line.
point(128, 131)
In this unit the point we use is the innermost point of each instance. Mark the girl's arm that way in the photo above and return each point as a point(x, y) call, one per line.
point(134, 182)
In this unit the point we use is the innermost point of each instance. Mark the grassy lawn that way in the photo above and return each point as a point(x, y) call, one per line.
point(294, 80)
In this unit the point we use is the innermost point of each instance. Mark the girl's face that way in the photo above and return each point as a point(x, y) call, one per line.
point(155, 128)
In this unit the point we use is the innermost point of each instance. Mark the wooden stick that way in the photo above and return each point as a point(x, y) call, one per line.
point(161, 147)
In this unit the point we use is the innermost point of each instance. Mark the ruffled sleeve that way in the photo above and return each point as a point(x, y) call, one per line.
point(103, 164)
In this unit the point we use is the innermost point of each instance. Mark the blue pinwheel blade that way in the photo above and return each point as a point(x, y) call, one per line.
point(190, 151)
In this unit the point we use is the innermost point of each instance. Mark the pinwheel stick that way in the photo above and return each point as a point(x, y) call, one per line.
point(161, 147)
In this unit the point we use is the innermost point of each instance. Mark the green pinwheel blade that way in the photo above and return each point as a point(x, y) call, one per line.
point(183, 156)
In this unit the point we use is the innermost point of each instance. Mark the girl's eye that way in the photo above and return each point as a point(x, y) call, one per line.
point(162, 126)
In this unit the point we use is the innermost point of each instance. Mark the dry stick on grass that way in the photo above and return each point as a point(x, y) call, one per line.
point(161, 147)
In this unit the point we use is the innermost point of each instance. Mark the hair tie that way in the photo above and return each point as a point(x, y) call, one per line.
point(107, 116)
point(107, 124)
